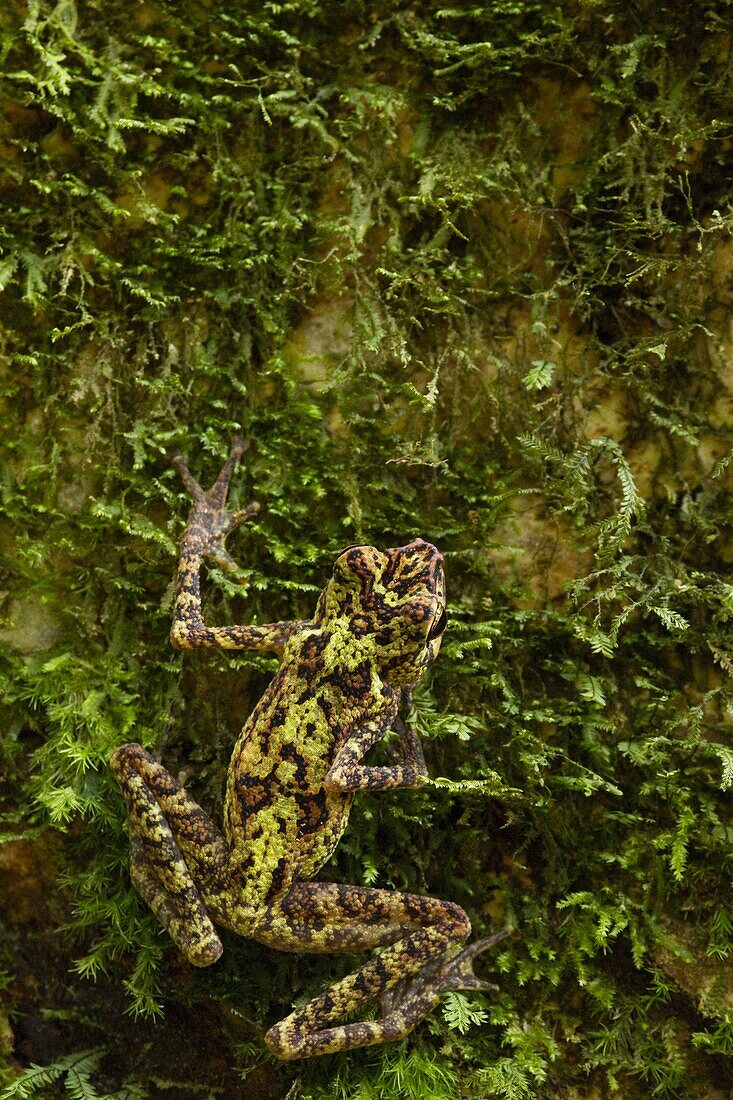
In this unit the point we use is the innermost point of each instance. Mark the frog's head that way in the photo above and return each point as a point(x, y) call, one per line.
point(396, 598)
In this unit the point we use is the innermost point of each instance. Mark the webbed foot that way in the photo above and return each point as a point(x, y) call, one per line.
point(209, 521)
point(457, 973)
point(442, 976)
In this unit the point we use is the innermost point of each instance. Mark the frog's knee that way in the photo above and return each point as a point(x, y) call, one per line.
point(282, 1042)
point(205, 951)
point(191, 930)
point(457, 919)
point(126, 757)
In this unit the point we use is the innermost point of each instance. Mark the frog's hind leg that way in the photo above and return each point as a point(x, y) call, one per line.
point(173, 844)
point(420, 961)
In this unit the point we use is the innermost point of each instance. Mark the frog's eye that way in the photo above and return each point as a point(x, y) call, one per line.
point(438, 626)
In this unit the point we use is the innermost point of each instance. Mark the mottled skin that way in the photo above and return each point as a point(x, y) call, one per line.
point(293, 773)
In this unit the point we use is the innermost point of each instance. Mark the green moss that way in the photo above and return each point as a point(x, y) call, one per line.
point(459, 272)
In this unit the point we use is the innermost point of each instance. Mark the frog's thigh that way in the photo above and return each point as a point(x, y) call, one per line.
point(174, 845)
point(416, 933)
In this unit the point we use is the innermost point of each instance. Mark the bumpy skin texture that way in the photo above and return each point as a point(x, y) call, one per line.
point(293, 773)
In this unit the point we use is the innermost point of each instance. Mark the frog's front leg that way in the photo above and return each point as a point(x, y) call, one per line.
point(347, 773)
point(209, 523)
point(420, 962)
point(178, 860)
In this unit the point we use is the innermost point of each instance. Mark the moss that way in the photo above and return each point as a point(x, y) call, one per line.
point(461, 272)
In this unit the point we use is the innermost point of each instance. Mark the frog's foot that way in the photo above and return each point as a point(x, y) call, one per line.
point(209, 521)
point(441, 976)
point(421, 958)
point(457, 973)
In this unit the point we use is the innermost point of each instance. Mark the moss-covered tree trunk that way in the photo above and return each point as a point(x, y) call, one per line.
point(461, 272)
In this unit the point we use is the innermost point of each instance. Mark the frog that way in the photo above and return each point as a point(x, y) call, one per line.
point(294, 771)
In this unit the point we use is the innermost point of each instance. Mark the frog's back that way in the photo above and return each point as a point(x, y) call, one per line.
point(280, 820)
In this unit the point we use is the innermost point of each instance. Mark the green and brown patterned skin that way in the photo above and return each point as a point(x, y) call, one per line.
point(293, 773)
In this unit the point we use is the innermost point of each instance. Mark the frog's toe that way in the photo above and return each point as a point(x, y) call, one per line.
point(217, 494)
point(221, 557)
point(212, 511)
point(236, 519)
point(190, 483)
